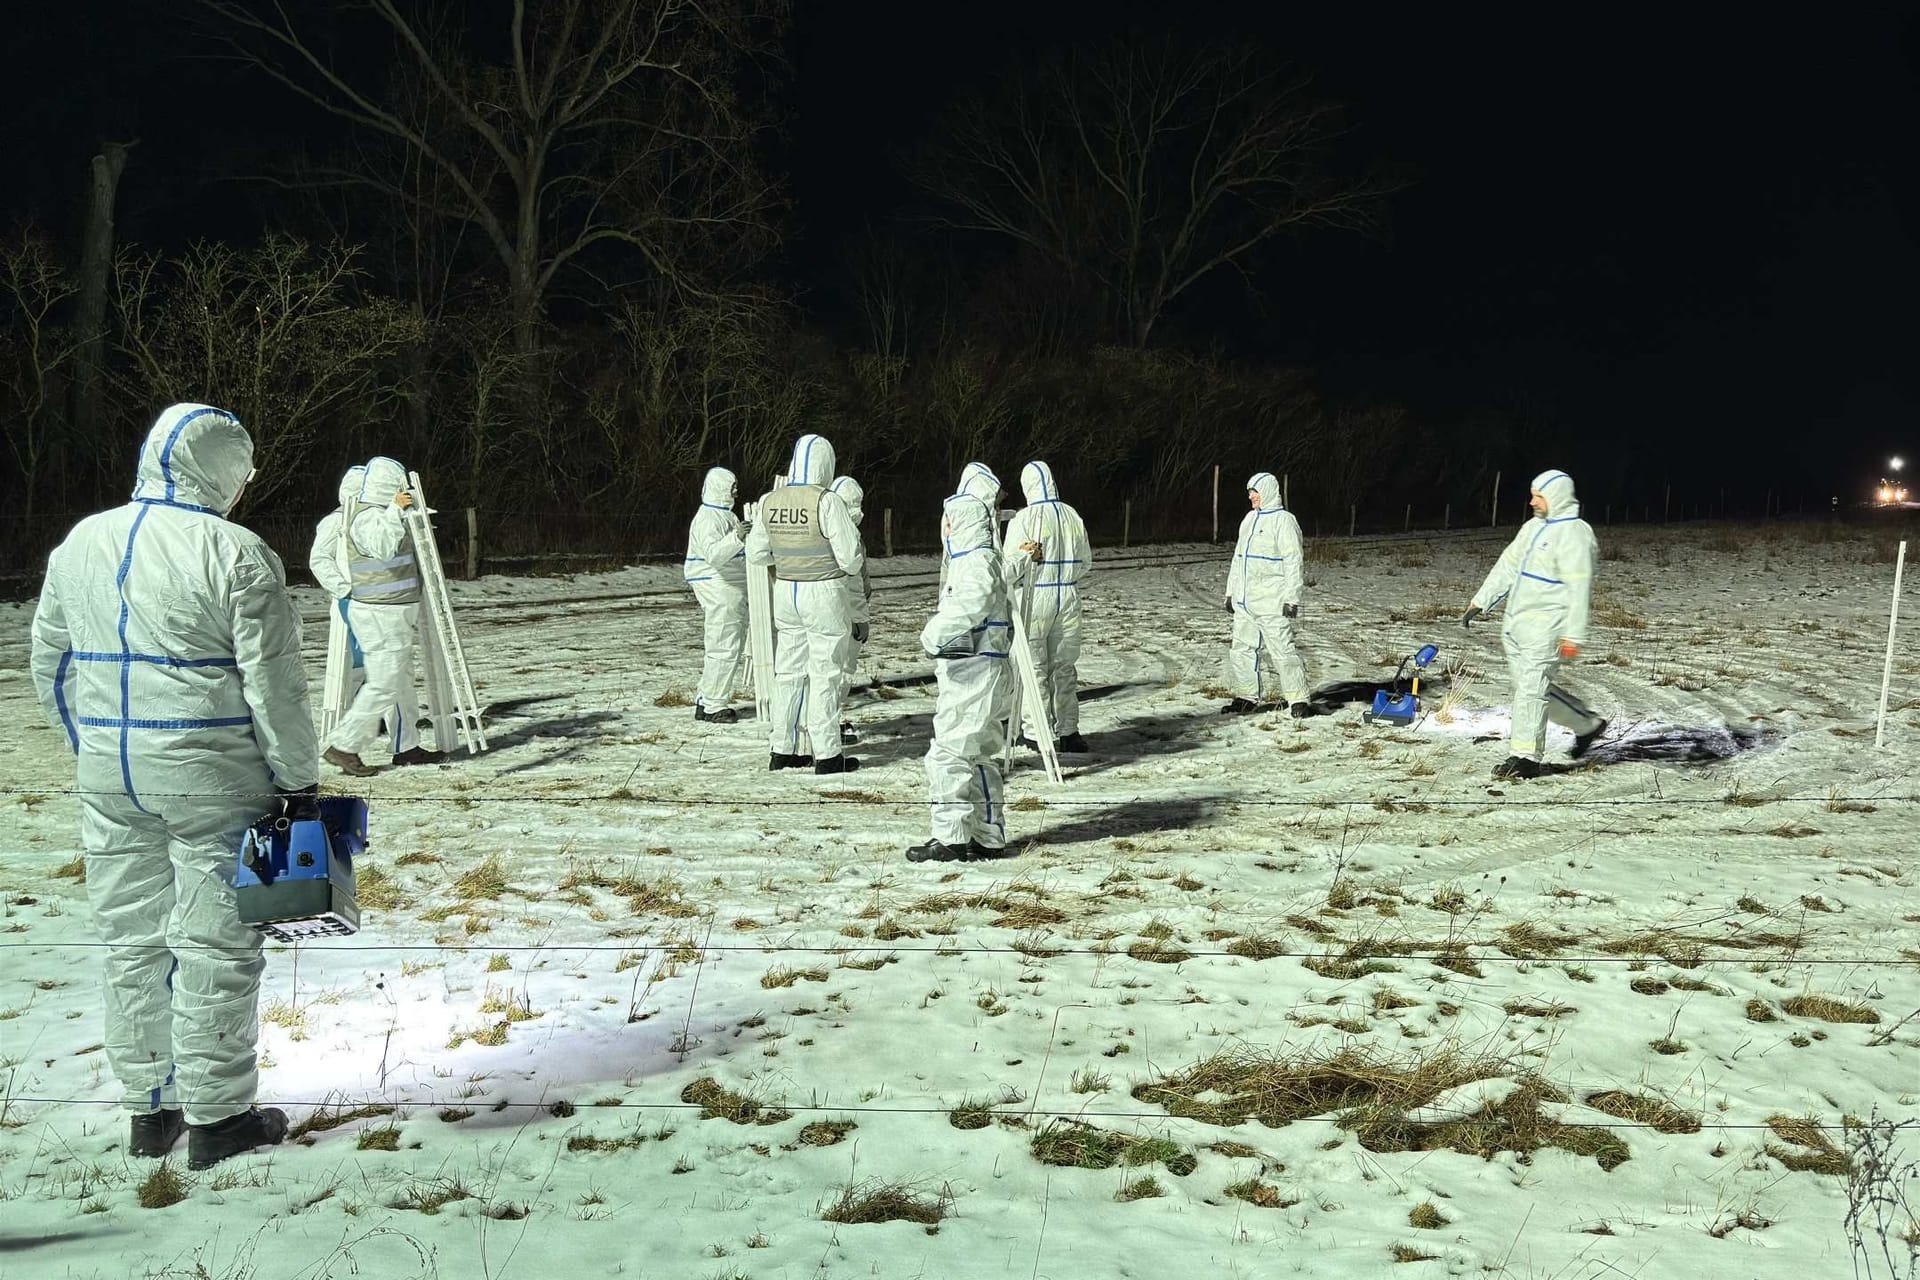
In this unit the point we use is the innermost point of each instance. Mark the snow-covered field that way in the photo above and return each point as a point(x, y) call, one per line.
point(1259, 997)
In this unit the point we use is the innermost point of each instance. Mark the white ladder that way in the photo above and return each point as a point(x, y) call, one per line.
point(1026, 687)
point(760, 630)
point(450, 696)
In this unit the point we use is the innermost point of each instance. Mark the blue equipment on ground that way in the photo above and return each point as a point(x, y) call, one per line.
point(1398, 706)
point(294, 879)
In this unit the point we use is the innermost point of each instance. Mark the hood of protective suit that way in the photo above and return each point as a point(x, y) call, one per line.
point(1557, 488)
point(384, 479)
point(812, 462)
point(1036, 481)
point(350, 483)
point(977, 479)
point(852, 496)
point(1264, 484)
point(719, 489)
point(197, 455)
point(969, 524)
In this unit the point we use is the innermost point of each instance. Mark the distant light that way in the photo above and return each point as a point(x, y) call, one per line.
point(1898, 463)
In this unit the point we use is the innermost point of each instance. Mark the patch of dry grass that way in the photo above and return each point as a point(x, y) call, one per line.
point(1828, 1009)
point(1277, 1089)
point(719, 1103)
point(162, 1188)
point(1810, 1150)
point(1263, 1195)
point(1075, 1145)
point(1652, 1112)
point(878, 1201)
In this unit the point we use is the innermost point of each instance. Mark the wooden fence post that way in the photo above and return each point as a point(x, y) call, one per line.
point(1446, 516)
point(1493, 513)
point(886, 530)
point(1216, 502)
point(1353, 514)
point(473, 546)
point(1126, 522)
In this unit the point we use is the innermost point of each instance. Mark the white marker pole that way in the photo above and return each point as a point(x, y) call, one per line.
point(1893, 623)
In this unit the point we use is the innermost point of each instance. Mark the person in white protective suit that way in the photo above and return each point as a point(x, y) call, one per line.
point(1055, 530)
point(329, 568)
point(968, 638)
point(859, 592)
point(1264, 588)
point(806, 533)
point(716, 569)
point(1545, 576)
point(166, 651)
point(383, 608)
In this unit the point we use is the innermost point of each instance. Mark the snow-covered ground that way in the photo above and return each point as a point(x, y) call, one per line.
point(626, 1004)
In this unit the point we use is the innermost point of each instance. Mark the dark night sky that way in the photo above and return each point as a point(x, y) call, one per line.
point(1704, 226)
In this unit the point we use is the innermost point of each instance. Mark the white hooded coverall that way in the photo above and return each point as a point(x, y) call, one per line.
point(716, 569)
point(1053, 612)
point(1546, 577)
point(166, 651)
point(1268, 573)
point(385, 632)
point(812, 619)
point(329, 569)
point(968, 638)
point(859, 588)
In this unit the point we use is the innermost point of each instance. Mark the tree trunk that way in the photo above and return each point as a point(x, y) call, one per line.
point(96, 270)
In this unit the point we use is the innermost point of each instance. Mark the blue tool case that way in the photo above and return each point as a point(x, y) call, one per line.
point(294, 880)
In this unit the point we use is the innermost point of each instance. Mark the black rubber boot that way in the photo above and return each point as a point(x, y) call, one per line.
point(1517, 767)
point(1583, 742)
point(209, 1144)
point(1301, 710)
point(420, 755)
point(1240, 707)
point(836, 764)
point(934, 851)
point(154, 1134)
point(725, 715)
point(1073, 744)
point(977, 852)
point(778, 761)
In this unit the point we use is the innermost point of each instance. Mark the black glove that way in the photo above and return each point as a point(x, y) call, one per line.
point(860, 632)
point(1466, 619)
point(1289, 610)
point(301, 804)
point(1229, 606)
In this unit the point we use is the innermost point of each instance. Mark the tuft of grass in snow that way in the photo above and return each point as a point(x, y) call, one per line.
point(826, 1133)
point(1761, 1011)
point(673, 698)
point(384, 1138)
point(1074, 1145)
point(1810, 1150)
point(75, 870)
point(1828, 1009)
point(877, 1201)
point(1652, 1112)
point(376, 890)
point(1277, 1088)
point(332, 1117)
point(1261, 1194)
point(431, 1195)
point(1256, 947)
point(488, 880)
point(718, 1103)
point(162, 1188)
point(1147, 1188)
point(1515, 1123)
point(1408, 1253)
point(786, 975)
point(1425, 1217)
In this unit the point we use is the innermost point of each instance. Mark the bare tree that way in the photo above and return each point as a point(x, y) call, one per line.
point(280, 335)
point(35, 353)
point(603, 125)
point(1142, 171)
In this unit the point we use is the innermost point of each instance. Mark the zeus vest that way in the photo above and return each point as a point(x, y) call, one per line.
point(391, 581)
point(801, 552)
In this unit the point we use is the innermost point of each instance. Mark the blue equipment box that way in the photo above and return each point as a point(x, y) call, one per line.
point(294, 880)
